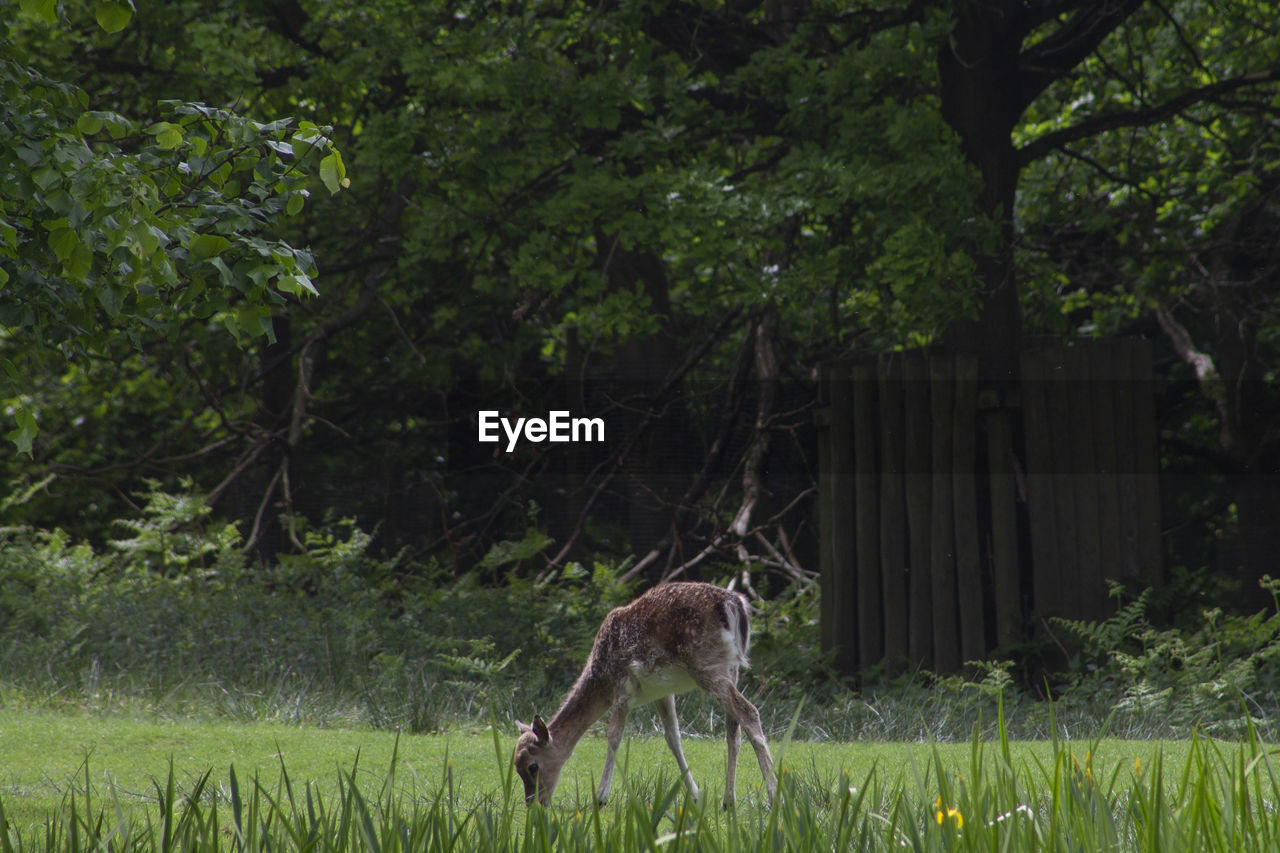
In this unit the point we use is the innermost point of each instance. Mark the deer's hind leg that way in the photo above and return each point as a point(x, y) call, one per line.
point(723, 690)
point(732, 734)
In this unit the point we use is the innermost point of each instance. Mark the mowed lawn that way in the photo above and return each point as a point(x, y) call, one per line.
point(47, 756)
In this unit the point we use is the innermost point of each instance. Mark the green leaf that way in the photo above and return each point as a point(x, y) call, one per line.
point(168, 135)
point(109, 299)
point(25, 434)
point(80, 262)
point(205, 246)
point(304, 282)
point(149, 239)
point(333, 172)
point(113, 16)
point(63, 241)
point(89, 124)
point(295, 204)
point(46, 10)
point(256, 320)
point(512, 551)
point(296, 284)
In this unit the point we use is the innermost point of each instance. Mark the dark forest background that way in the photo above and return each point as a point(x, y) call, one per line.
point(280, 254)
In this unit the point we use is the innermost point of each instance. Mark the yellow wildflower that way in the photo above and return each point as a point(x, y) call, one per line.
point(943, 813)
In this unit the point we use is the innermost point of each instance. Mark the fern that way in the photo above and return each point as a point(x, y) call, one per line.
point(1201, 676)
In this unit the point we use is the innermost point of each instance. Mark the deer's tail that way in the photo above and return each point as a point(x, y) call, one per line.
point(738, 619)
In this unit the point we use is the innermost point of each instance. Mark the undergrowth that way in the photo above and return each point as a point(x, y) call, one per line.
point(172, 619)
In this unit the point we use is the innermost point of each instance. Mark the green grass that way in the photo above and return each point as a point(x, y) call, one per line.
point(84, 781)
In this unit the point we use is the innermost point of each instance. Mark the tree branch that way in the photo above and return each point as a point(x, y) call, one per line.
point(1055, 55)
point(1207, 375)
point(1097, 125)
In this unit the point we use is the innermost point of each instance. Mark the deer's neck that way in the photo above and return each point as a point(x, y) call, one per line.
point(587, 702)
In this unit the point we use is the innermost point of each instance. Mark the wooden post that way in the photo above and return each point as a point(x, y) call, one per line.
point(1148, 462)
point(916, 461)
point(865, 485)
point(969, 586)
point(1127, 461)
point(1059, 408)
point(1042, 496)
point(942, 545)
point(893, 515)
point(1107, 434)
point(1084, 467)
point(1005, 570)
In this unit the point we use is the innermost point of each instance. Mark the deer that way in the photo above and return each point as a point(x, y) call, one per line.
point(672, 639)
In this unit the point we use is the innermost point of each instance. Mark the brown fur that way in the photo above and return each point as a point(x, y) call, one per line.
point(671, 638)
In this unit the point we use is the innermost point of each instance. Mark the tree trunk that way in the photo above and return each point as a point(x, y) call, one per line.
point(279, 384)
point(979, 74)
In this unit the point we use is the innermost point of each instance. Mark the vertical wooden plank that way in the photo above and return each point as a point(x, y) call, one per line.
point(867, 502)
point(1144, 421)
point(1042, 508)
point(1005, 566)
point(1106, 435)
point(942, 560)
point(893, 514)
point(1126, 460)
point(1063, 484)
point(844, 634)
point(916, 460)
point(1092, 598)
point(969, 587)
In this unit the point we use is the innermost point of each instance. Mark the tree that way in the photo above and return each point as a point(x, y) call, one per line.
point(570, 190)
point(667, 214)
point(1174, 207)
point(114, 232)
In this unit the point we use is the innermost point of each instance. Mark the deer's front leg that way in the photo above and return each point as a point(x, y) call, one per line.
point(617, 725)
point(671, 728)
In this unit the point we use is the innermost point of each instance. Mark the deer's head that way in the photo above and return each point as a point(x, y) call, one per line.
point(537, 761)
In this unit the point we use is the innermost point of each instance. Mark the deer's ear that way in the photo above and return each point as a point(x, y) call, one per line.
point(522, 727)
point(540, 730)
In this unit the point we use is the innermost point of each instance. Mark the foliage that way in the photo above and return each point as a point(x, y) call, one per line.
point(1219, 676)
point(174, 619)
point(175, 611)
point(592, 196)
point(116, 230)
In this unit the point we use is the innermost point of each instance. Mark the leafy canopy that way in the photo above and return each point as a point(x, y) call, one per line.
point(113, 230)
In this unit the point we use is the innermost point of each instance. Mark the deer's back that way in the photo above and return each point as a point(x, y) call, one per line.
point(689, 625)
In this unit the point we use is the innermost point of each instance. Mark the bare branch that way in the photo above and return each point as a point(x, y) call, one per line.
point(1207, 375)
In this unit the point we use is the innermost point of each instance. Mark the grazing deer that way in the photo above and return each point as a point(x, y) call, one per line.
point(675, 637)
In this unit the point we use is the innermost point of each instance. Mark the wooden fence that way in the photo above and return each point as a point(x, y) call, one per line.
point(954, 519)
